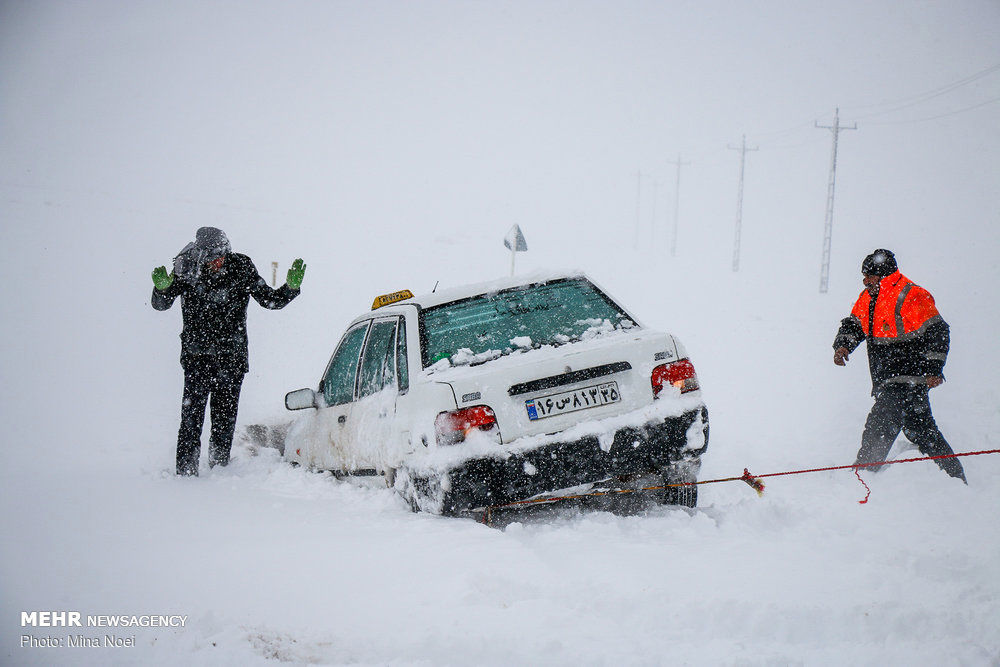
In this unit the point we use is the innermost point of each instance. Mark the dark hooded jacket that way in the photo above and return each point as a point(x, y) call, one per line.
point(214, 309)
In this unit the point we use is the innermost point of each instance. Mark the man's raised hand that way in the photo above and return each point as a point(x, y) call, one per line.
point(161, 279)
point(295, 274)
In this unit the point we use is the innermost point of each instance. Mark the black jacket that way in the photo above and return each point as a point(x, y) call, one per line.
point(214, 309)
point(909, 359)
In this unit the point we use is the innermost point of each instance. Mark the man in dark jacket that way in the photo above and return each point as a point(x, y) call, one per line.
point(908, 344)
point(215, 286)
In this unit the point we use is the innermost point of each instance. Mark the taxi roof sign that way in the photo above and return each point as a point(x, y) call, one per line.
point(387, 299)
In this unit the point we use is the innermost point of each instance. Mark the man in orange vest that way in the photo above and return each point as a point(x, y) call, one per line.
point(907, 347)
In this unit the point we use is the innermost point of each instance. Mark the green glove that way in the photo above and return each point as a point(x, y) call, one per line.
point(161, 280)
point(295, 274)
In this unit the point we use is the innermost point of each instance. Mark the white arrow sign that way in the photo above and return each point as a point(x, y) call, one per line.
point(515, 242)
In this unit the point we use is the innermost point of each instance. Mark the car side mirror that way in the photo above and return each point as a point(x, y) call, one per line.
point(300, 399)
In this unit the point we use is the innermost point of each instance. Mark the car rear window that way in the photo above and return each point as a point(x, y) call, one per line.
point(488, 326)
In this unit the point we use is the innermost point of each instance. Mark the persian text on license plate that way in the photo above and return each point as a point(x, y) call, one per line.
point(571, 401)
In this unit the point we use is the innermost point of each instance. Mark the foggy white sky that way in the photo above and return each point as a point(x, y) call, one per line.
point(346, 132)
point(464, 115)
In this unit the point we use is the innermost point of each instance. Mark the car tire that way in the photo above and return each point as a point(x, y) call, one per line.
point(403, 485)
point(681, 473)
point(684, 496)
point(421, 493)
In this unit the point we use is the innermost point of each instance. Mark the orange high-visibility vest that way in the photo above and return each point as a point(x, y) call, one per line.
point(903, 310)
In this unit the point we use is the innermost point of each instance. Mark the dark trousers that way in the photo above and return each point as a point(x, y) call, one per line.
point(904, 407)
point(218, 378)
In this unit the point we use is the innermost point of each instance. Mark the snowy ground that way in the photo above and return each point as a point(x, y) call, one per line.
point(393, 148)
point(274, 563)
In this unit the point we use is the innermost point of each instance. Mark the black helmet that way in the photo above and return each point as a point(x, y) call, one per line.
point(880, 263)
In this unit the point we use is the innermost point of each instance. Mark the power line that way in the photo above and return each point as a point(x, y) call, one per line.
point(787, 130)
point(900, 104)
point(893, 106)
point(913, 100)
point(943, 115)
point(789, 147)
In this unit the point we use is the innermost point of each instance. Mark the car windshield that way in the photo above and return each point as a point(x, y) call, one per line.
point(488, 326)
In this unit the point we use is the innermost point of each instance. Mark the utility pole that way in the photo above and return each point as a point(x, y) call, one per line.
point(739, 202)
point(274, 274)
point(677, 202)
point(638, 199)
point(652, 215)
point(824, 274)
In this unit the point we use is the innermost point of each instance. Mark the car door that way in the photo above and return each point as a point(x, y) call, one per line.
point(381, 376)
point(336, 451)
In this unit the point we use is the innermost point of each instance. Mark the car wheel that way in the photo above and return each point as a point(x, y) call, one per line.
point(422, 494)
point(685, 496)
point(681, 473)
point(403, 485)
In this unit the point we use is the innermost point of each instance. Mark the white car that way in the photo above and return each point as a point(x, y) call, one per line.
point(479, 396)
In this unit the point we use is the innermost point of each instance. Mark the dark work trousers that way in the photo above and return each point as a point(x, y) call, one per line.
point(221, 379)
point(904, 407)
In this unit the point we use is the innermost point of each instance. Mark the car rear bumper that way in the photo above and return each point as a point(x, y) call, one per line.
point(489, 482)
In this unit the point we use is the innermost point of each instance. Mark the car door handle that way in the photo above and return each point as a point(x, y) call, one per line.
point(341, 419)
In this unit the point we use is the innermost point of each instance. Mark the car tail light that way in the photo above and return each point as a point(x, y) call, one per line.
point(454, 427)
point(680, 374)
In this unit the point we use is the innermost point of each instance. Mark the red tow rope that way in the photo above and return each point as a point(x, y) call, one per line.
point(856, 467)
point(853, 466)
point(857, 473)
point(754, 481)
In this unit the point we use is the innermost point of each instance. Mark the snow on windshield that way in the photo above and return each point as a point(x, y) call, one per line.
point(597, 327)
point(485, 327)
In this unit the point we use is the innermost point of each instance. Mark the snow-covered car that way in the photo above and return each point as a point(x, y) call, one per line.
point(483, 395)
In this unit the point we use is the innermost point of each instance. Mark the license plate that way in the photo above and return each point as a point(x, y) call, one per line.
point(571, 401)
